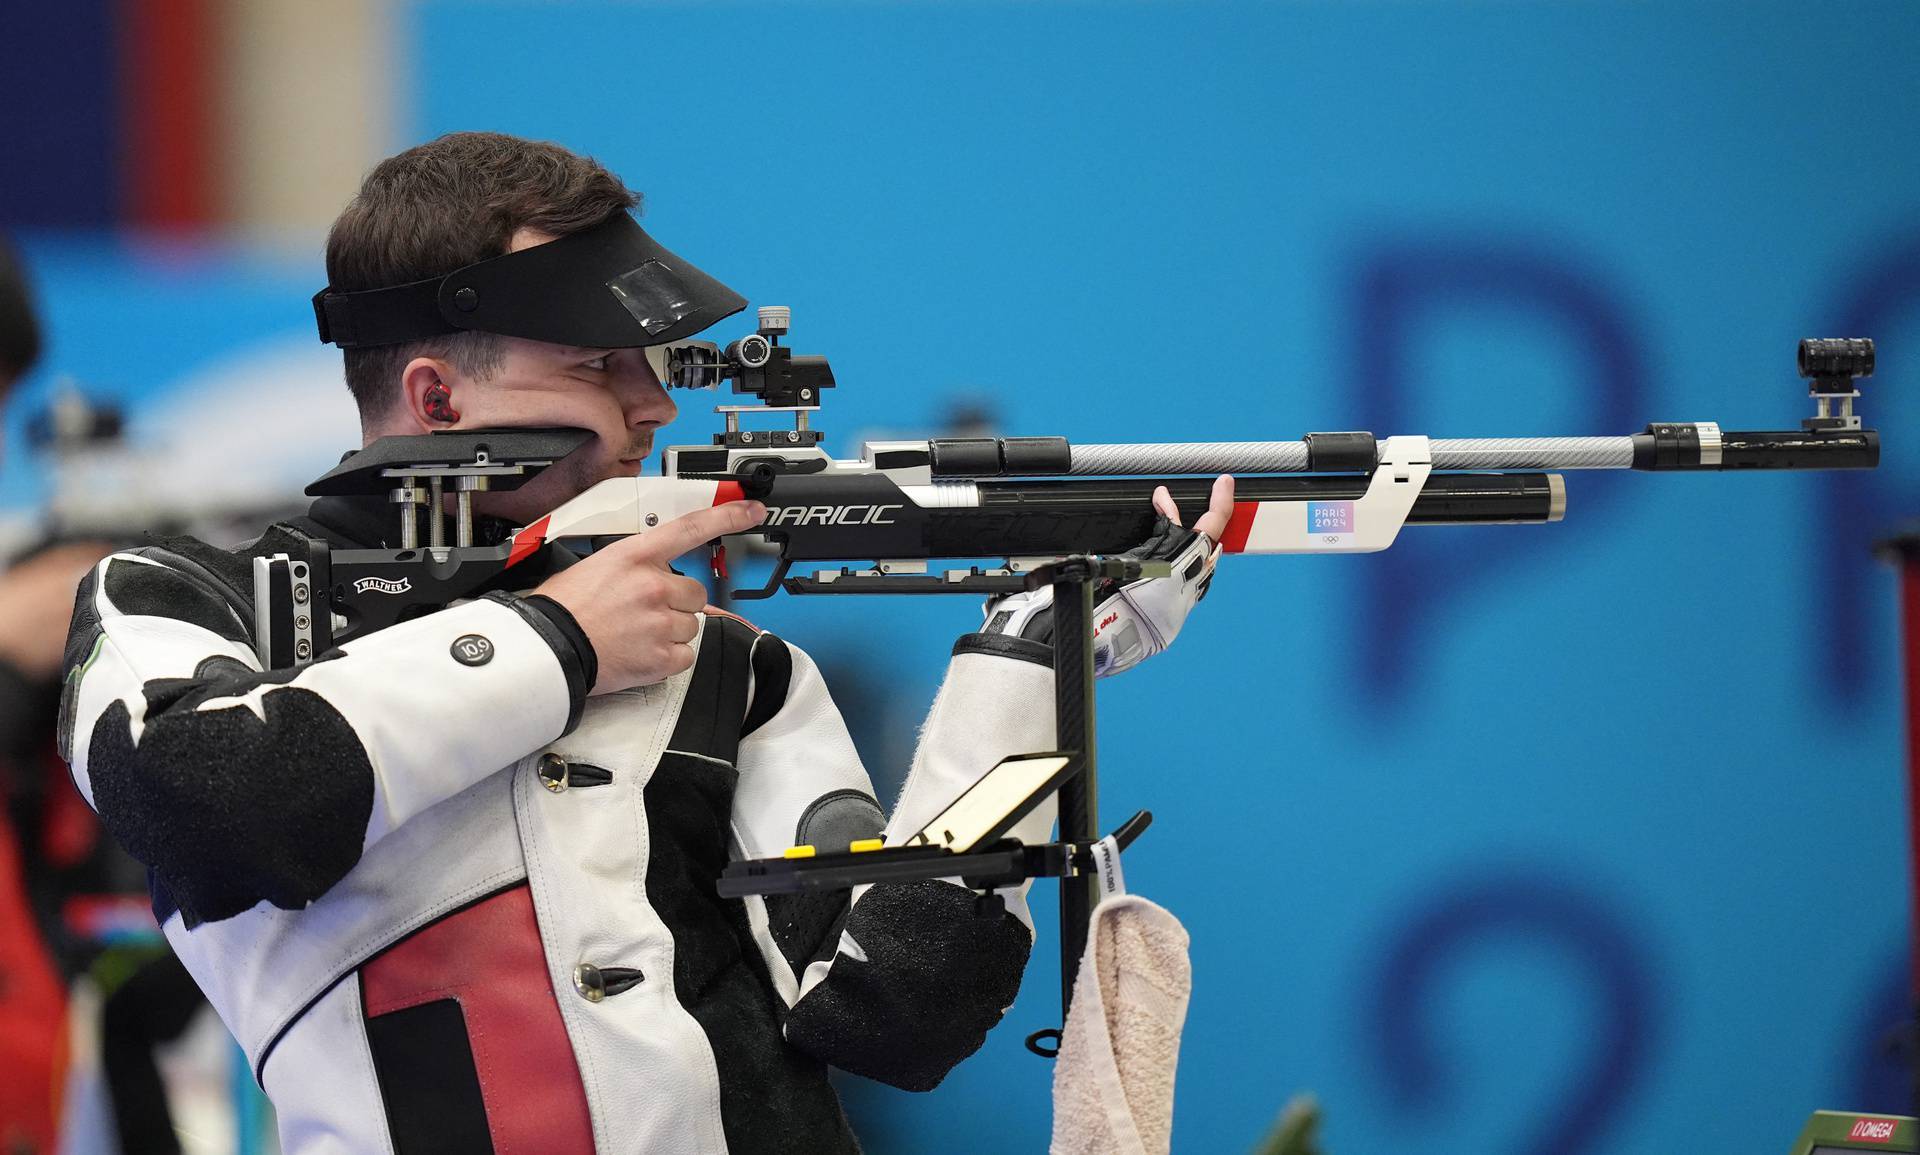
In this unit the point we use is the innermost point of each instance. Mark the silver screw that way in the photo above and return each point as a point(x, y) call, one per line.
point(653, 519)
point(793, 435)
point(805, 394)
point(300, 595)
point(303, 650)
point(301, 622)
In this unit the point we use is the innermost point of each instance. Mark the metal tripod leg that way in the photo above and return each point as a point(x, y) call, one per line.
point(1073, 580)
point(1074, 735)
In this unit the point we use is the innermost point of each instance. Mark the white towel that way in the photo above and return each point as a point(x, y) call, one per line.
point(1113, 1081)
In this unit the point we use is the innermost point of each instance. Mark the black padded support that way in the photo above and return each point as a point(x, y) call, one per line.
point(806, 926)
point(936, 979)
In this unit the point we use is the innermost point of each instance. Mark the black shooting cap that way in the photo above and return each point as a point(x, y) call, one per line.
point(608, 287)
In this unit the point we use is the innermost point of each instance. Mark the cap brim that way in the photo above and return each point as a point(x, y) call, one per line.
point(609, 287)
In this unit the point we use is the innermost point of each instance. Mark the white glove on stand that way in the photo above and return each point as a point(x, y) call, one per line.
point(1131, 623)
point(1134, 622)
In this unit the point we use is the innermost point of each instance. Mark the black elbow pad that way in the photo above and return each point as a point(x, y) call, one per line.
point(230, 809)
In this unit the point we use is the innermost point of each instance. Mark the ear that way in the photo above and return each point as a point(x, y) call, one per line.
point(430, 391)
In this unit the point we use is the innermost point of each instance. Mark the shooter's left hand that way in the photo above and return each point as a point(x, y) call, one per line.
point(1212, 523)
point(1131, 623)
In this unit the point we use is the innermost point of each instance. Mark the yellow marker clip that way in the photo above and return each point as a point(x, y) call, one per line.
point(866, 844)
point(799, 852)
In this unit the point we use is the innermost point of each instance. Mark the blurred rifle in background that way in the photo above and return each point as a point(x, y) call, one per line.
point(102, 486)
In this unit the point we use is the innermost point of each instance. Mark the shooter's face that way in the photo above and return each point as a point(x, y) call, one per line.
point(613, 393)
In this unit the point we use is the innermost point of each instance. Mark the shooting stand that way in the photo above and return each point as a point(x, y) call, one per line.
point(1006, 861)
point(1074, 580)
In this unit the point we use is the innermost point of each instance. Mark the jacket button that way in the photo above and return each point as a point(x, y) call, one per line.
point(596, 983)
point(553, 772)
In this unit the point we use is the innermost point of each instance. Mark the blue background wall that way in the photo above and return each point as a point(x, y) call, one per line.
point(1572, 838)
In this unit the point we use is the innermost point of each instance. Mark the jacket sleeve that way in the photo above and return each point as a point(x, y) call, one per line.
point(900, 981)
point(236, 784)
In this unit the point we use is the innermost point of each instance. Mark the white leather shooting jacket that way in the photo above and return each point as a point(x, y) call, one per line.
point(446, 901)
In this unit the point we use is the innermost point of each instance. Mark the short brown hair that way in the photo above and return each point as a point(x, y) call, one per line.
point(445, 204)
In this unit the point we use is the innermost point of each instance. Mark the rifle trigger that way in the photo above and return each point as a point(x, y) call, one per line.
point(719, 562)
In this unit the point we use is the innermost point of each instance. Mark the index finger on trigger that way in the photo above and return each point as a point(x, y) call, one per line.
point(691, 530)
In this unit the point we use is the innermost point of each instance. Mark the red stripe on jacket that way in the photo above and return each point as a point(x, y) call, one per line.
point(489, 957)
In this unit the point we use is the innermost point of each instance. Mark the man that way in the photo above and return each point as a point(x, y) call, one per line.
point(453, 897)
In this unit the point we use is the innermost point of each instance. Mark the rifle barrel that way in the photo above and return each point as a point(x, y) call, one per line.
point(1676, 447)
point(1208, 457)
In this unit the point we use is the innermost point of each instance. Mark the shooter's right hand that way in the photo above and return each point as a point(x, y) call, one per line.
point(637, 612)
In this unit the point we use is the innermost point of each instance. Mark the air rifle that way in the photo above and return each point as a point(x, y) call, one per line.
point(1018, 511)
point(1006, 505)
